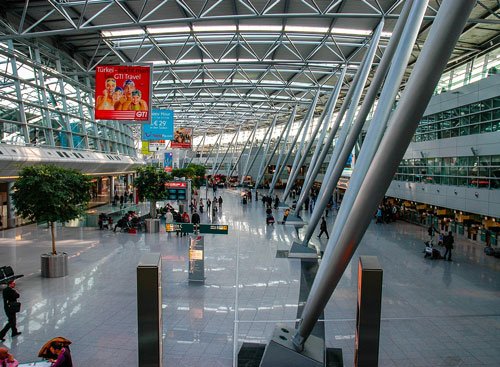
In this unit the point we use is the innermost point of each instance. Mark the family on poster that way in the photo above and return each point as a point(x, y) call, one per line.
point(122, 92)
point(126, 98)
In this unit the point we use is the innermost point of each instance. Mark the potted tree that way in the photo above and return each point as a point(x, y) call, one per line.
point(150, 183)
point(48, 193)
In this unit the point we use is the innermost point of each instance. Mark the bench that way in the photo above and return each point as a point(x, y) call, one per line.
point(7, 274)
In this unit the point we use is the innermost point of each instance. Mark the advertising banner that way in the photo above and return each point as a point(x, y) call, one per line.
point(161, 126)
point(156, 145)
point(167, 162)
point(183, 137)
point(123, 92)
point(145, 147)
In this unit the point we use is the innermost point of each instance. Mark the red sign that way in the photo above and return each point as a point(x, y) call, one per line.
point(176, 185)
point(182, 138)
point(123, 93)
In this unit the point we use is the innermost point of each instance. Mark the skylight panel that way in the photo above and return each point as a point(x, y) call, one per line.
point(218, 28)
point(157, 30)
point(123, 33)
point(293, 28)
point(260, 28)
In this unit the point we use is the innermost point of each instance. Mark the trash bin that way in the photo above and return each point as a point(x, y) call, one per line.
point(152, 225)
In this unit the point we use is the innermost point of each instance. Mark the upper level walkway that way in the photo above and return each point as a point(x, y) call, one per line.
point(434, 313)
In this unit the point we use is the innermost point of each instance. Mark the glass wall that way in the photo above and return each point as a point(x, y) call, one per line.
point(46, 100)
point(478, 171)
point(476, 118)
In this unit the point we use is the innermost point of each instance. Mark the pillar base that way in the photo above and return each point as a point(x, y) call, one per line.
point(299, 251)
point(280, 351)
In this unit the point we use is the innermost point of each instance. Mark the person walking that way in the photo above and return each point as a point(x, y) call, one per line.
point(11, 307)
point(448, 245)
point(323, 229)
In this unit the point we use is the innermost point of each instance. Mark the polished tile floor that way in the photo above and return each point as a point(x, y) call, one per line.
point(434, 313)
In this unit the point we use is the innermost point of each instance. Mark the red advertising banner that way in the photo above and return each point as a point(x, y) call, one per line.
point(176, 184)
point(123, 92)
point(183, 137)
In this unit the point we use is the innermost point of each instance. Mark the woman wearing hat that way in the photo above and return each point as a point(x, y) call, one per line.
point(63, 355)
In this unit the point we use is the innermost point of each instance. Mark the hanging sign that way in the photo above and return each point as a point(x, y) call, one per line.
point(123, 92)
point(161, 126)
point(183, 137)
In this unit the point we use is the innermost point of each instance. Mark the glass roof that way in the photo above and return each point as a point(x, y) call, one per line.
point(228, 63)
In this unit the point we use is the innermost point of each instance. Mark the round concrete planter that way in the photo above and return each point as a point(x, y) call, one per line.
point(152, 225)
point(54, 266)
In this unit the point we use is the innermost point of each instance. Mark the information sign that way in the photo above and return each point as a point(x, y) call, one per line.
point(214, 228)
point(196, 258)
point(182, 227)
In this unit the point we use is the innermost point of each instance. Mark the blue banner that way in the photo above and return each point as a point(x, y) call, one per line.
point(167, 162)
point(161, 126)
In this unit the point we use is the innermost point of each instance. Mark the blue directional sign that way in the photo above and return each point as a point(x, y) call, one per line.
point(161, 126)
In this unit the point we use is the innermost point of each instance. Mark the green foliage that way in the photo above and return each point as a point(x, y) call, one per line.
point(47, 193)
point(195, 172)
point(150, 183)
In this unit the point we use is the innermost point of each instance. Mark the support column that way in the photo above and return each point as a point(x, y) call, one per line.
point(326, 146)
point(275, 178)
point(11, 210)
point(214, 164)
point(411, 21)
point(251, 137)
point(444, 33)
point(247, 169)
point(263, 163)
point(212, 148)
point(196, 150)
point(227, 150)
point(326, 117)
point(290, 150)
point(299, 154)
point(111, 188)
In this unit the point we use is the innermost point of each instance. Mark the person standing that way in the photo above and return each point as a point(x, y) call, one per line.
point(10, 297)
point(323, 229)
point(448, 245)
point(195, 219)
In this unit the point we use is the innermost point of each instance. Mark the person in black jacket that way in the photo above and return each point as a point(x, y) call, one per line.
point(195, 219)
point(448, 245)
point(10, 296)
point(322, 228)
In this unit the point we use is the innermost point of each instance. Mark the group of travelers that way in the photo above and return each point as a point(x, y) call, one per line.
point(444, 239)
point(58, 354)
point(129, 220)
point(386, 213)
point(123, 198)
